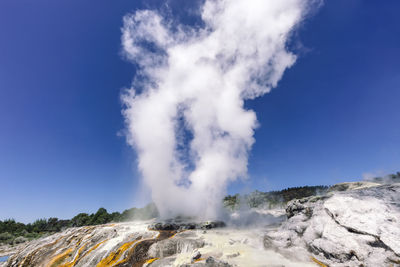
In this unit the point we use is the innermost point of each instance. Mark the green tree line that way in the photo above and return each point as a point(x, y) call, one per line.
point(273, 198)
point(12, 232)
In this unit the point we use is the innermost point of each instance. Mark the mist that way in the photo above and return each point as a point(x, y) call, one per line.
point(185, 113)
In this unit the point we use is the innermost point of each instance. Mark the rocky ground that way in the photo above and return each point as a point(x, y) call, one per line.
point(355, 224)
point(6, 250)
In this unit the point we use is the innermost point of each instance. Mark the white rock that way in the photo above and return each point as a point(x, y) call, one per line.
point(357, 226)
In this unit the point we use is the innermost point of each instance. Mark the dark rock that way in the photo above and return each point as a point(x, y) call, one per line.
point(212, 262)
point(234, 255)
point(268, 242)
point(213, 224)
point(196, 256)
point(165, 226)
point(176, 226)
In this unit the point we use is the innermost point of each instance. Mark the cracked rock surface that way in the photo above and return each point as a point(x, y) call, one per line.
point(359, 225)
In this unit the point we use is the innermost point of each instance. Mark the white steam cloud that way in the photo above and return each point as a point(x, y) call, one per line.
point(185, 111)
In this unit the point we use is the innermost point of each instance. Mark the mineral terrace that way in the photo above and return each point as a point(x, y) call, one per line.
point(355, 224)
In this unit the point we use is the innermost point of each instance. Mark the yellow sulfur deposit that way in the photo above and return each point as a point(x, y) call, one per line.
point(72, 263)
point(318, 262)
point(113, 257)
point(94, 247)
point(60, 258)
point(151, 260)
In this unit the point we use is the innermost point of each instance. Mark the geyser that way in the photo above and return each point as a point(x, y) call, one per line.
point(185, 112)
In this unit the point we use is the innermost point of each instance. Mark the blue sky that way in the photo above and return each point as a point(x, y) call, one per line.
point(334, 116)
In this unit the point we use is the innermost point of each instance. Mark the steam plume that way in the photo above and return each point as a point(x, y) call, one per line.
point(185, 112)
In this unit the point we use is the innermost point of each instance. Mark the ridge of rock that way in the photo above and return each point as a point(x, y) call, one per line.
point(357, 226)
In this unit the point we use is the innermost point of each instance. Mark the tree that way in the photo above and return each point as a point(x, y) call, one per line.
point(52, 225)
point(39, 225)
point(80, 220)
point(100, 217)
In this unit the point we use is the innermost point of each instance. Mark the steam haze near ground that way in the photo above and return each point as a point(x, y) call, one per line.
point(185, 112)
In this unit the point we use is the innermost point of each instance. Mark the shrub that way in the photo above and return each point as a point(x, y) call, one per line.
point(6, 236)
point(20, 239)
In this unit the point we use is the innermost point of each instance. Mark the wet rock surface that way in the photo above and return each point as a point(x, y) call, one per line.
point(105, 245)
point(169, 247)
point(122, 244)
point(138, 244)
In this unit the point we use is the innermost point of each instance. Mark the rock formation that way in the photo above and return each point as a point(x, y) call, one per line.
point(353, 224)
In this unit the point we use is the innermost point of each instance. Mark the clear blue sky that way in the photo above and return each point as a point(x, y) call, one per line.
point(334, 116)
